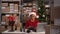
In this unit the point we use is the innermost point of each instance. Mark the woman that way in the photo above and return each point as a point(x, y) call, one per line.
point(31, 24)
point(11, 19)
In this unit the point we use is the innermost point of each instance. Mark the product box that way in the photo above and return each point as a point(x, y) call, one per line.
point(15, 7)
point(11, 7)
point(3, 18)
point(4, 4)
point(25, 4)
point(5, 9)
point(29, 4)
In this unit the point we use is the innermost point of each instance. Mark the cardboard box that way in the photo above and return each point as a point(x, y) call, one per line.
point(16, 7)
point(5, 9)
point(4, 4)
point(11, 7)
point(25, 4)
point(29, 4)
point(3, 18)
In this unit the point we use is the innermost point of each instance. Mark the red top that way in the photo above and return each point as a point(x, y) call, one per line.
point(11, 18)
point(32, 24)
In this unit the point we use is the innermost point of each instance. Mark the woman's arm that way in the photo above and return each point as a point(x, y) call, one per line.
point(26, 25)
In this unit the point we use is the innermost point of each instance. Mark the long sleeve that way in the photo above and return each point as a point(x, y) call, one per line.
point(26, 25)
point(36, 23)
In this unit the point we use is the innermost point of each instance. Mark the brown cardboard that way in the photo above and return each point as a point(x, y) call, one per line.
point(29, 4)
point(16, 7)
point(11, 7)
point(6, 9)
point(4, 4)
point(3, 18)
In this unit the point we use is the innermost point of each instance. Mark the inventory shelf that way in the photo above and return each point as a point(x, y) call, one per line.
point(11, 0)
point(10, 12)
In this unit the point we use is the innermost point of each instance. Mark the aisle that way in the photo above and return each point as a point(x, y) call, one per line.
point(40, 27)
point(40, 30)
point(17, 32)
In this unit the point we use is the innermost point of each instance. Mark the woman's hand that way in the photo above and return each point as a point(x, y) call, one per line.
point(26, 30)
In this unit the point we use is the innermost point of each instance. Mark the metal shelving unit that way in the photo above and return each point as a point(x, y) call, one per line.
point(0, 10)
point(3, 1)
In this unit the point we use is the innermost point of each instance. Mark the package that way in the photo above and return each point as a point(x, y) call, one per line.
point(29, 4)
point(5, 9)
point(25, 4)
point(4, 4)
point(3, 18)
point(11, 7)
point(34, 3)
point(15, 7)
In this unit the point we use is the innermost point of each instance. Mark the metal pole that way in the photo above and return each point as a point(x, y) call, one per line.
point(20, 13)
point(0, 10)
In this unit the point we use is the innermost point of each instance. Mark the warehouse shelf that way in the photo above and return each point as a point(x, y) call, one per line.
point(11, 0)
point(11, 12)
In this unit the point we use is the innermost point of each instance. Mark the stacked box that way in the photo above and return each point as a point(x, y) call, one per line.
point(5, 9)
point(4, 4)
point(15, 7)
point(11, 7)
point(25, 4)
point(3, 18)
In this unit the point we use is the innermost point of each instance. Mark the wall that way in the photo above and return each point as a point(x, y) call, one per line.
point(55, 9)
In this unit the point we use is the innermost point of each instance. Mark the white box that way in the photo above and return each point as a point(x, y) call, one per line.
point(4, 4)
point(11, 7)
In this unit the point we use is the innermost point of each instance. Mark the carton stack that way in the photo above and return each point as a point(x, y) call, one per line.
point(11, 7)
point(4, 4)
point(5, 7)
point(29, 4)
point(3, 18)
point(15, 7)
point(16, 0)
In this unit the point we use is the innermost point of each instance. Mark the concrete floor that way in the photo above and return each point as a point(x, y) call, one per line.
point(40, 30)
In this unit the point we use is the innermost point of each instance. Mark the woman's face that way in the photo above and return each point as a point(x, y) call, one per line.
point(33, 16)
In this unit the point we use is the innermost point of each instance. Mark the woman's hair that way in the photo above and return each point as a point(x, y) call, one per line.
point(31, 15)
